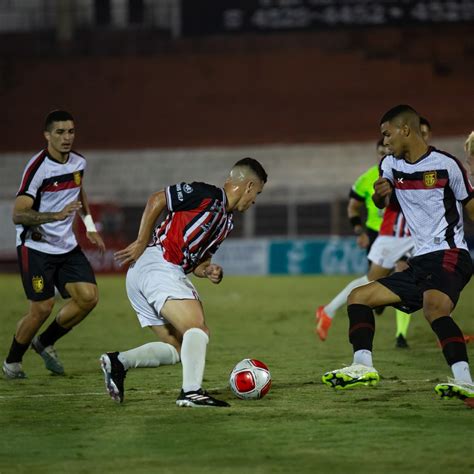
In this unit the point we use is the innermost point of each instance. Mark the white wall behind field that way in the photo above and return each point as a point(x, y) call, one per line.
point(299, 173)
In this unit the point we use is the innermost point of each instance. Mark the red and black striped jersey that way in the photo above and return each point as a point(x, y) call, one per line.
point(394, 222)
point(196, 224)
point(431, 193)
point(52, 185)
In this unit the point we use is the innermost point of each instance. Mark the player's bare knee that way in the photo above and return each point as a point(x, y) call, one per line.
point(88, 300)
point(435, 309)
point(41, 310)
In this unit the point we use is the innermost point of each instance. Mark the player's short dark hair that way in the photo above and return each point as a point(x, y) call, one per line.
point(255, 166)
point(424, 121)
point(56, 116)
point(396, 111)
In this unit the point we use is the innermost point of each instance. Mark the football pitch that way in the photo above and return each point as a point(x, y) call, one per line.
point(69, 424)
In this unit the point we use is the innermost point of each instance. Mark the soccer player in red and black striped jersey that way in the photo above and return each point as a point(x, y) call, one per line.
point(50, 194)
point(432, 188)
point(199, 217)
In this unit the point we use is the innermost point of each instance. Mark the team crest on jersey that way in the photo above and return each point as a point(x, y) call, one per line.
point(430, 178)
point(77, 177)
point(187, 189)
point(38, 284)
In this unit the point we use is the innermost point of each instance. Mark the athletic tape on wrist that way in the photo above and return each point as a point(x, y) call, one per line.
point(89, 223)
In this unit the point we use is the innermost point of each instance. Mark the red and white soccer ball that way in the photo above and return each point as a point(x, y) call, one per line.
point(250, 379)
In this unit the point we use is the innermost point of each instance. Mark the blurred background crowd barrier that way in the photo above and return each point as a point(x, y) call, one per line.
point(165, 91)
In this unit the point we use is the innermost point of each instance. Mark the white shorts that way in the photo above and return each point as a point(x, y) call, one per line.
point(387, 250)
point(151, 282)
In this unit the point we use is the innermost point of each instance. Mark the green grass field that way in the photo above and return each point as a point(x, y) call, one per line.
point(70, 425)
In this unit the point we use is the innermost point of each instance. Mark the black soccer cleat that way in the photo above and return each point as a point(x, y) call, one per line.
point(114, 375)
point(199, 399)
point(401, 342)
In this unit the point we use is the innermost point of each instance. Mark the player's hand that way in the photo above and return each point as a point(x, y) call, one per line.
point(131, 253)
point(96, 239)
point(214, 272)
point(363, 240)
point(68, 210)
point(382, 187)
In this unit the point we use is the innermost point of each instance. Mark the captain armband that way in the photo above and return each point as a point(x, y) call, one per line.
point(89, 223)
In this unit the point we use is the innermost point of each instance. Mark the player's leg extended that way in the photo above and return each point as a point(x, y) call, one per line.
point(402, 319)
point(26, 329)
point(84, 298)
point(116, 364)
point(361, 335)
point(325, 314)
point(436, 305)
point(187, 316)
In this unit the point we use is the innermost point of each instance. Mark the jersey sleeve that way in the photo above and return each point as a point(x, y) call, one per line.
point(31, 181)
point(183, 197)
point(385, 169)
point(459, 182)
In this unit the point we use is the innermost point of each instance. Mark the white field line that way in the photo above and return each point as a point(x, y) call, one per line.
point(149, 392)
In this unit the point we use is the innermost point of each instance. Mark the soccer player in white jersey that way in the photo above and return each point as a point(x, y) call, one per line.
point(432, 188)
point(199, 217)
point(50, 194)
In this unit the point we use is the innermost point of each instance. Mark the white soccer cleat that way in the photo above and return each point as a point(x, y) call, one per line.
point(352, 376)
point(13, 370)
point(457, 389)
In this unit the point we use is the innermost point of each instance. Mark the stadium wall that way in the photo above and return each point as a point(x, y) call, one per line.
point(294, 88)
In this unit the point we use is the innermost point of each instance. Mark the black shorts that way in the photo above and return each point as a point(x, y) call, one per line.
point(41, 272)
point(447, 271)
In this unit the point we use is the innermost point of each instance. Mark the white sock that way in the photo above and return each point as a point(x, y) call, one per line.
point(461, 372)
point(364, 357)
point(193, 358)
point(152, 354)
point(341, 299)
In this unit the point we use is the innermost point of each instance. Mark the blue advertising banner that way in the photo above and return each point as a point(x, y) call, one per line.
point(329, 256)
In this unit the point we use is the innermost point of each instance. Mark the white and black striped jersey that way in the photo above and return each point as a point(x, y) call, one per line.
point(52, 185)
point(196, 224)
point(431, 193)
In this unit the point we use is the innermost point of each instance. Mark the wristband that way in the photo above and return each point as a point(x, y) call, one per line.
point(355, 220)
point(89, 223)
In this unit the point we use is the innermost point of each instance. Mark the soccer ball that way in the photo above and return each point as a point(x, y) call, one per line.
point(250, 379)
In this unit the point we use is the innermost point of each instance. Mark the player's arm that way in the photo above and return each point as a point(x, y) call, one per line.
point(91, 231)
point(24, 214)
point(354, 208)
point(383, 191)
point(209, 270)
point(469, 207)
point(155, 205)
point(469, 147)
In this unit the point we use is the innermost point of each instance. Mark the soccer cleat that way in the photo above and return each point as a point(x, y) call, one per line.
point(401, 342)
point(323, 323)
point(352, 376)
point(199, 399)
point(455, 389)
point(114, 375)
point(49, 356)
point(13, 370)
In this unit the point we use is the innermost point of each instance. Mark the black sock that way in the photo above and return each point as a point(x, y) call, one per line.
point(52, 333)
point(17, 351)
point(451, 339)
point(361, 326)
